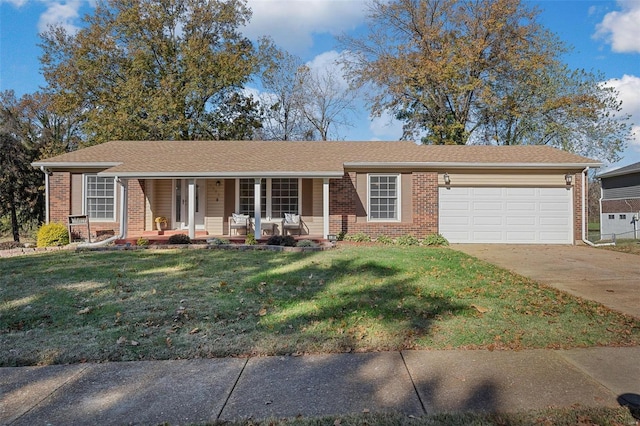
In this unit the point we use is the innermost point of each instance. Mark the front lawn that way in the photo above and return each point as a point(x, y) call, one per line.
point(66, 307)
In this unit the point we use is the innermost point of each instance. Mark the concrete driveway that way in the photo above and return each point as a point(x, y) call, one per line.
point(605, 276)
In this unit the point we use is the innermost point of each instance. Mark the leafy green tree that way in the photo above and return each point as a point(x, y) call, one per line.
point(480, 71)
point(143, 69)
point(20, 198)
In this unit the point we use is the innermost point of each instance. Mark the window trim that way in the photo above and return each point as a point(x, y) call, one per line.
point(268, 195)
point(398, 197)
point(85, 197)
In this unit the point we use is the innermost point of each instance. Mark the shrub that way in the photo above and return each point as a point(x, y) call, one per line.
point(340, 236)
point(8, 245)
point(250, 240)
point(274, 240)
point(359, 237)
point(383, 239)
point(288, 241)
point(179, 239)
point(218, 241)
point(306, 243)
point(407, 240)
point(435, 240)
point(142, 242)
point(52, 234)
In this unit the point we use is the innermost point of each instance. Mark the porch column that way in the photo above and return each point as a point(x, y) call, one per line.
point(258, 208)
point(192, 208)
point(325, 206)
point(124, 202)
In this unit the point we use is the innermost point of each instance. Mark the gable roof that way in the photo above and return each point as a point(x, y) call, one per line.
point(626, 170)
point(313, 159)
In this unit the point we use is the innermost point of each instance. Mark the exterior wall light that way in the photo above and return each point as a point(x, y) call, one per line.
point(568, 178)
point(447, 179)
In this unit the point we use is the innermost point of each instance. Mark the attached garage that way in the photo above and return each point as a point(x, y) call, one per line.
point(519, 215)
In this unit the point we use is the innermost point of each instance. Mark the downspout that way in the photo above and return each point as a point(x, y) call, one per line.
point(584, 211)
point(46, 193)
point(123, 219)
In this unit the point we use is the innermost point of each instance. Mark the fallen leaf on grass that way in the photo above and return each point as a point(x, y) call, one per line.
point(134, 343)
point(84, 311)
point(121, 340)
point(194, 331)
point(262, 312)
point(480, 309)
point(168, 341)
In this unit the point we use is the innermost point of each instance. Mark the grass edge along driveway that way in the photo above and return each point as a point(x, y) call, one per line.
point(69, 307)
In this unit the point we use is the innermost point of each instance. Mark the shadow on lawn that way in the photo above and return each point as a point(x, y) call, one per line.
point(356, 305)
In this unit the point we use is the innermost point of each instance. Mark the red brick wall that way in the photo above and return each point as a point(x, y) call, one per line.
point(577, 206)
point(59, 197)
point(344, 200)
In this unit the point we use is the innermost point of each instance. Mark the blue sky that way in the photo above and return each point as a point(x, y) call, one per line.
point(605, 36)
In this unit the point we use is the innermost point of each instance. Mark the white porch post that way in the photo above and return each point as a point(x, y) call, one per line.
point(258, 208)
point(192, 208)
point(325, 206)
point(124, 199)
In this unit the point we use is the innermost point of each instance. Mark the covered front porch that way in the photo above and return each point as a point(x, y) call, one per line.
point(203, 207)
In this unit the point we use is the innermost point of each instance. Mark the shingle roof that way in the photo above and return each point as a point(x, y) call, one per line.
point(186, 158)
point(631, 168)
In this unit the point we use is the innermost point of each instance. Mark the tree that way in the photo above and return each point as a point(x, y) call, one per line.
point(324, 102)
point(281, 80)
point(148, 69)
point(20, 197)
point(480, 71)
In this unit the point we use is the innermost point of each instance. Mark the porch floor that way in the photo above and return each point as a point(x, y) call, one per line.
point(162, 237)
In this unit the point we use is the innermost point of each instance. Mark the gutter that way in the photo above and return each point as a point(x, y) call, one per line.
point(584, 217)
point(46, 193)
point(123, 219)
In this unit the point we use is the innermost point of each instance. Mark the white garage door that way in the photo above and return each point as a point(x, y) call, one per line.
point(506, 215)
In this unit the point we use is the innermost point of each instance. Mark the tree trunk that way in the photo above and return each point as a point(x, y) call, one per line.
point(15, 227)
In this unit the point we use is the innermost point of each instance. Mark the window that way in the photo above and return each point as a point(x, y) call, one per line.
point(612, 216)
point(278, 196)
point(383, 197)
point(284, 197)
point(100, 200)
point(623, 216)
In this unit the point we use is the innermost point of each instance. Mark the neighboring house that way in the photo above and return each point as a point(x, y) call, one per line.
point(469, 194)
point(620, 203)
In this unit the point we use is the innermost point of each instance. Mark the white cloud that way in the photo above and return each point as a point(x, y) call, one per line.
point(293, 23)
point(63, 13)
point(629, 89)
point(622, 28)
point(16, 3)
point(385, 127)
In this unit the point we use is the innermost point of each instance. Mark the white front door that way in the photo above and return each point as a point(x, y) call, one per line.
point(181, 203)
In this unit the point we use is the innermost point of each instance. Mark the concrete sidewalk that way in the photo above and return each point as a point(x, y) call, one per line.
point(409, 382)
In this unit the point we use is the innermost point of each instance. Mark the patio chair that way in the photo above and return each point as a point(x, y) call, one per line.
point(291, 222)
point(239, 221)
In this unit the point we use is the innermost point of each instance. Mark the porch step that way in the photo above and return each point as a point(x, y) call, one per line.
point(169, 232)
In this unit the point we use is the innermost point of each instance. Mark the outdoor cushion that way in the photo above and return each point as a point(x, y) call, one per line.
point(292, 218)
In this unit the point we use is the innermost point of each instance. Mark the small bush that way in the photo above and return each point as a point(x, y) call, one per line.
point(142, 242)
point(435, 240)
point(288, 241)
point(340, 236)
point(383, 239)
point(359, 237)
point(274, 240)
point(407, 240)
point(250, 240)
point(8, 245)
point(179, 239)
point(52, 234)
point(306, 243)
point(218, 241)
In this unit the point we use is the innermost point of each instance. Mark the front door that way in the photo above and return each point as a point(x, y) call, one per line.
point(181, 201)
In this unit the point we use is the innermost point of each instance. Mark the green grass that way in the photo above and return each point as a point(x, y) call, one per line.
point(557, 417)
point(67, 307)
